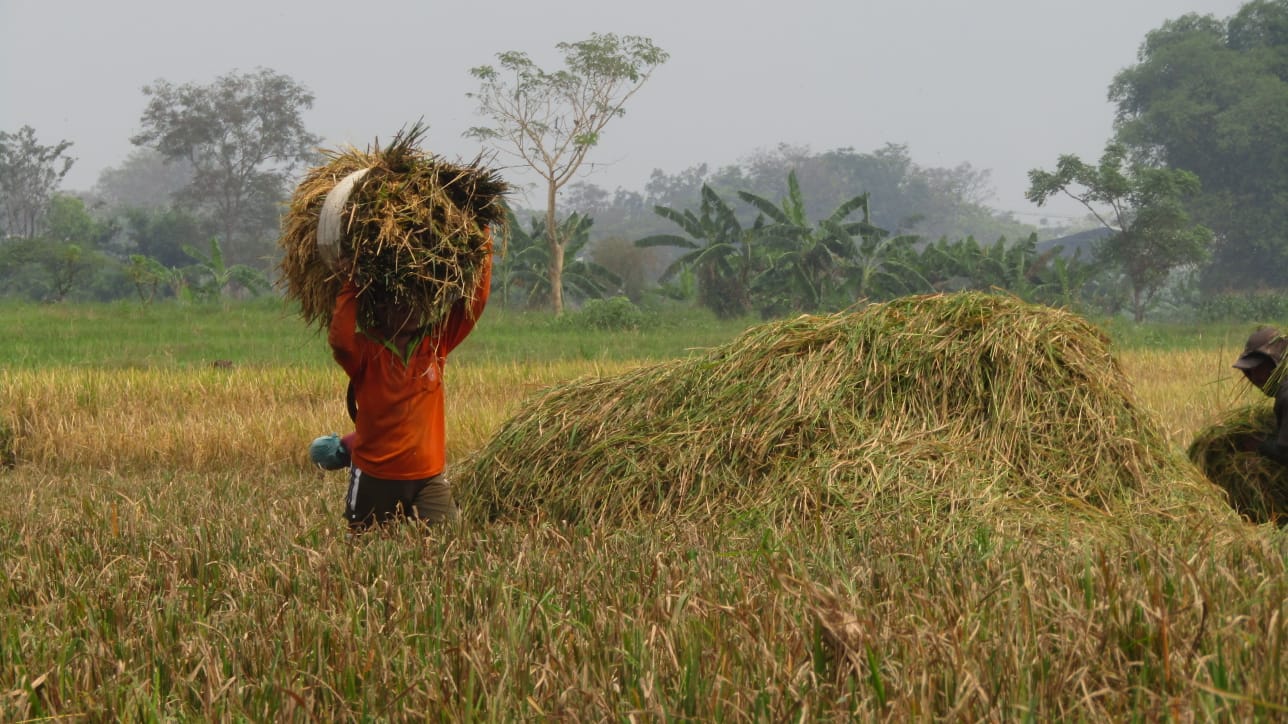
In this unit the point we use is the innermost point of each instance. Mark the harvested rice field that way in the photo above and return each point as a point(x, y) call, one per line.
point(955, 508)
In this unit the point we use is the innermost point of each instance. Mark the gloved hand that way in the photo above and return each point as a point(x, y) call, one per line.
point(329, 453)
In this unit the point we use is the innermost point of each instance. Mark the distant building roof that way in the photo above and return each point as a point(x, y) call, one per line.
point(1082, 240)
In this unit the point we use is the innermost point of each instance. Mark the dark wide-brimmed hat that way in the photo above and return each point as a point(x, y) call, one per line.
point(1264, 344)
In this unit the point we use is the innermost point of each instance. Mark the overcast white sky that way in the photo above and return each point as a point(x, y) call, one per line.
point(1006, 85)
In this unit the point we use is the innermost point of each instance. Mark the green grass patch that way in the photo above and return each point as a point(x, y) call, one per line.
point(269, 332)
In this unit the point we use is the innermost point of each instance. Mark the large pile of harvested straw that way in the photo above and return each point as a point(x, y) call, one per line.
point(1226, 453)
point(926, 408)
point(415, 229)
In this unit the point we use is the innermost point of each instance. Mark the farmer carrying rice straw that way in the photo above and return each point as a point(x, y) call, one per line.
point(392, 251)
point(1260, 363)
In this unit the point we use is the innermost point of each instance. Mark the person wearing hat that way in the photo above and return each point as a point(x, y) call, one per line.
point(1259, 363)
point(397, 453)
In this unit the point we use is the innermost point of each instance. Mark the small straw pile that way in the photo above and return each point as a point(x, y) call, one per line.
point(933, 410)
point(1226, 453)
point(415, 230)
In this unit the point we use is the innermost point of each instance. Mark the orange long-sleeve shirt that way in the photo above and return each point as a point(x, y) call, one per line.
point(399, 430)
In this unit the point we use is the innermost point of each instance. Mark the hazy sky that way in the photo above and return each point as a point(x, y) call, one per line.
point(1006, 85)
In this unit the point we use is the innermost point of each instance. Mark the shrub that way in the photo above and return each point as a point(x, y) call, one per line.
point(1243, 307)
point(617, 314)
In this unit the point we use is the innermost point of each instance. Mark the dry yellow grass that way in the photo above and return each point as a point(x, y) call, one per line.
point(253, 417)
point(1187, 389)
point(169, 555)
point(244, 418)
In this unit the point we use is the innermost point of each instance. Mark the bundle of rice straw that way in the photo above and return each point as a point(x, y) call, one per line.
point(942, 411)
point(1226, 453)
point(415, 229)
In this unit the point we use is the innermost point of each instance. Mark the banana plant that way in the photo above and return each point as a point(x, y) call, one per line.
point(210, 276)
point(525, 269)
point(717, 251)
point(808, 264)
point(147, 275)
point(883, 267)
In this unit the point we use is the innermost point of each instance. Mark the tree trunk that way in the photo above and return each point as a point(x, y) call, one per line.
point(1138, 305)
point(556, 252)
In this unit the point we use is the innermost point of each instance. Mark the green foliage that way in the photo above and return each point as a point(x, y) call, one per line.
point(523, 273)
point(1066, 278)
point(1145, 208)
point(49, 271)
point(147, 275)
point(905, 198)
point(827, 265)
point(39, 270)
point(615, 314)
point(803, 265)
point(1242, 307)
point(69, 222)
point(786, 264)
point(1046, 277)
point(29, 175)
point(63, 261)
point(1211, 97)
point(68, 265)
point(518, 268)
point(884, 266)
point(22, 273)
point(210, 278)
point(243, 134)
point(718, 253)
point(162, 234)
point(683, 287)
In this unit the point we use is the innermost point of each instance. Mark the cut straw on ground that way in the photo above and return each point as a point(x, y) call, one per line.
point(966, 409)
point(1226, 452)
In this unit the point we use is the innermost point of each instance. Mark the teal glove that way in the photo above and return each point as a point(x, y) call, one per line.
point(329, 453)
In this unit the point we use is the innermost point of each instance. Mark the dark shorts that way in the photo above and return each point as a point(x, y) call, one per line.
point(373, 500)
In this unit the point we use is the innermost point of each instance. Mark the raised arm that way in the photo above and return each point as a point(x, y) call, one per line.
point(466, 312)
point(343, 334)
point(1275, 446)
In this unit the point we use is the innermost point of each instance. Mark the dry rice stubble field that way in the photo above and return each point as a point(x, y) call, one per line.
point(168, 554)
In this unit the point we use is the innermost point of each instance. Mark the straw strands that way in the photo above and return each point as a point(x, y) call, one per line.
point(1226, 453)
point(414, 229)
point(931, 409)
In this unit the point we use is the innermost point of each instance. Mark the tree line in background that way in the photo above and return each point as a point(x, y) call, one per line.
point(1187, 205)
point(784, 261)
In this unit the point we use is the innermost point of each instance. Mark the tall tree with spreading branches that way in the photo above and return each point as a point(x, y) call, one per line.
point(243, 135)
point(1145, 209)
point(1211, 97)
point(550, 120)
point(29, 175)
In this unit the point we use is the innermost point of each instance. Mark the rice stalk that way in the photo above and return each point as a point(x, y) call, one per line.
point(1226, 452)
point(928, 407)
point(416, 230)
